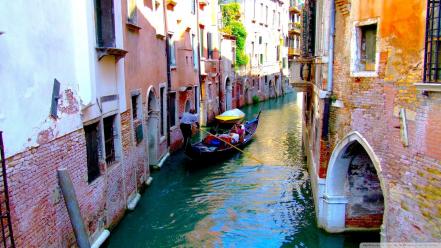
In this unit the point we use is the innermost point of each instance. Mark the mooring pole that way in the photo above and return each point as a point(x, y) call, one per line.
point(73, 208)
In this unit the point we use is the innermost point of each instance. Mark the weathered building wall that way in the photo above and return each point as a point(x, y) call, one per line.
point(370, 103)
point(181, 27)
point(91, 88)
point(145, 69)
point(38, 211)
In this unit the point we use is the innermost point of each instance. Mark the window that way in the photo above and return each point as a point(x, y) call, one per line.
point(171, 51)
point(162, 111)
point(367, 47)
point(432, 56)
point(284, 63)
point(266, 15)
point(254, 10)
point(131, 11)
point(364, 57)
point(172, 109)
point(137, 124)
point(260, 39)
point(201, 42)
point(135, 106)
point(109, 139)
point(210, 90)
point(105, 27)
point(209, 46)
point(193, 6)
point(278, 16)
point(261, 59)
point(274, 18)
point(266, 52)
point(195, 51)
point(92, 147)
point(278, 53)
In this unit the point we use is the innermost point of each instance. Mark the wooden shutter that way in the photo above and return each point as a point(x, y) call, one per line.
point(93, 170)
point(209, 47)
point(55, 97)
point(105, 24)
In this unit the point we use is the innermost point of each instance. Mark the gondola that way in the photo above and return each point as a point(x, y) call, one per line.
point(204, 152)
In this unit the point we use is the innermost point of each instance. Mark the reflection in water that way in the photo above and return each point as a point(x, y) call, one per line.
point(238, 202)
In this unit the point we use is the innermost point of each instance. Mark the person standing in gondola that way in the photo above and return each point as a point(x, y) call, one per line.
point(187, 121)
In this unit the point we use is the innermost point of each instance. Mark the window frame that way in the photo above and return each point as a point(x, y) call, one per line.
point(430, 40)
point(93, 170)
point(110, 141)
point(355, 48)
point(172, 51)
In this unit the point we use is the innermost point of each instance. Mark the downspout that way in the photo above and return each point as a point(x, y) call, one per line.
point(167, 53)
point(326, 114)
point(199, 60)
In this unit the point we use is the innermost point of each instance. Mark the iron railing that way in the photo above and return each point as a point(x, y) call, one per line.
point(432, 56)
point(7, 237)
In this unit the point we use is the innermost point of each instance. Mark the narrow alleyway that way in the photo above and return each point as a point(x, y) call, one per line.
point(236, 203)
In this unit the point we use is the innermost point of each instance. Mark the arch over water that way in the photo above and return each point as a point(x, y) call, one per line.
point(152, 125)
point(354, 187)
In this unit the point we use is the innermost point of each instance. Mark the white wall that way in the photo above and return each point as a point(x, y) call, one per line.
point(43, 40)
point(38, 45)
point(270, 34)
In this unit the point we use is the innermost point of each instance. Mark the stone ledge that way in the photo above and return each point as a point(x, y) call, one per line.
point(101, 239)
point(133, 202)
point(430, 87)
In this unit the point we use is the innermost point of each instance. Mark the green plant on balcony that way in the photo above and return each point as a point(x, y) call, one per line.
point(233, 26)
point(298, 25)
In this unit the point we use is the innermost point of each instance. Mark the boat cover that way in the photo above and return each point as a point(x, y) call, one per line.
point(231, 115)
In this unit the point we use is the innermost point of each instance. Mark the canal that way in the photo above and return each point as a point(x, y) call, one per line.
point(238, 202)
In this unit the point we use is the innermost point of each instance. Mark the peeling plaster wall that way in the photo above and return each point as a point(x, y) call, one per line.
point(35, 52)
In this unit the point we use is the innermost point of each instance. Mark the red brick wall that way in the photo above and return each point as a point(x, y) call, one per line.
point(366, 221)
point(39, 215)
point(38, 211)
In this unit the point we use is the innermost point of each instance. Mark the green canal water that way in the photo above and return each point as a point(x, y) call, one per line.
point(237, 202)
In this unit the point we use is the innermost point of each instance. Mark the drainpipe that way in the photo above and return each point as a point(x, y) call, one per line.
point(167, 53)
point(199, 62)
point(326, 114)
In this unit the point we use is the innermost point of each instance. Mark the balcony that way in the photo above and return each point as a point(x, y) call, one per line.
point(209, 67)
point(295, 28)
point(293, 51)
point(294, 8)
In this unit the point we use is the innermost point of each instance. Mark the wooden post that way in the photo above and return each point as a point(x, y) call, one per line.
point(73, 208)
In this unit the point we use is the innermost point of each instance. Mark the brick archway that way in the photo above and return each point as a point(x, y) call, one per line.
point(340, 197)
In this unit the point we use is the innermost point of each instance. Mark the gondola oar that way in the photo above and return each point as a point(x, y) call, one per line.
point(235, 147)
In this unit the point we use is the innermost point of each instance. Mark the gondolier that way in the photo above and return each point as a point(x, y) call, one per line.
point(187, 120)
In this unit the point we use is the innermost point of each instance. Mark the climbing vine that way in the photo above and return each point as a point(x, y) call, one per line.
point(232, 25)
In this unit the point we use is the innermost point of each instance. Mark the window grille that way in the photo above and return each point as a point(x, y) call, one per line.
point(432, 56)
point(109, 139)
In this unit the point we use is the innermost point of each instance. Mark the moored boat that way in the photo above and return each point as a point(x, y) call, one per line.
point(221, 149)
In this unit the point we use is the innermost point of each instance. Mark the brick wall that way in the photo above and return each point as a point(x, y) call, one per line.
point(38, 211)
point(410, 174)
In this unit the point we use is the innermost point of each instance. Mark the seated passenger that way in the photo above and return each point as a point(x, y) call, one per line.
point(234, 138)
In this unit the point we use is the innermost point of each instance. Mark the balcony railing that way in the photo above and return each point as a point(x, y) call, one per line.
point(293, 7)
point(293, 51)
point(295, 27)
